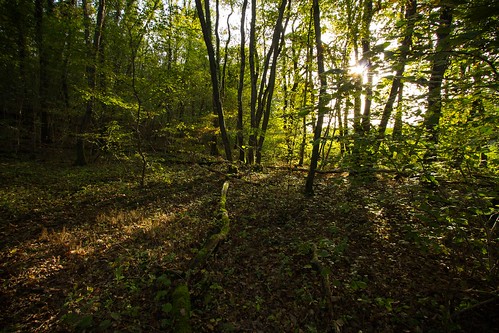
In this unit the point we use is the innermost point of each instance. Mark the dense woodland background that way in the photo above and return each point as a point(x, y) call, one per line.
point(395, 84)
point(121, 119)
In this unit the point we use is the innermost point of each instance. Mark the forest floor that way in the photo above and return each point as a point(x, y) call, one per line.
point(88, 249)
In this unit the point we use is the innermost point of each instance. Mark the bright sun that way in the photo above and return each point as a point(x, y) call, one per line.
point(358, 69)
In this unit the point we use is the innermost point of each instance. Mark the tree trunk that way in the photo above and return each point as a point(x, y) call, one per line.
point(261, 94)
point(240, 88)
point(360, 153)
point(308, 81)
point(24, 102)
point(322, 99)
point(410, 13)
point(266, 101)
point(91, 70)
point(366, 50)
point(253, 85)
point(204, 18)
point(397, 122)
point(44, 80)
point(37, 105)
point(289, 122)
point(440, 63)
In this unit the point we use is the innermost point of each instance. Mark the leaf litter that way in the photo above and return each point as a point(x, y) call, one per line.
point(99, 253)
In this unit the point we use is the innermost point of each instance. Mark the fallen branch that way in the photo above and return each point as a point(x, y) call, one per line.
point(181, 302)
point(181, 309)
point(458, 314)
point(324, 276)
point(332, 171)
point(212, 242)
point(234, 177)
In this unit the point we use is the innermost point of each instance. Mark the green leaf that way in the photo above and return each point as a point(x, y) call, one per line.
point(85, 322)
point(357, 284)
point(116, 316)
point(105, 324)
point(167, 307)
point(304, 111)
point(160, 295)
point(164, 281)
point(323, 253)
point(380, 47)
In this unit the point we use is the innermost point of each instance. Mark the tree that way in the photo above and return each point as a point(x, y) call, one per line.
point(205, 20)
point(321, 108)
point(367, 63)
point(266, 94)
point(263, 84)
point(440, 63)
point(396, 88)
point(93, 49)
point(136, 31)
point(240, 87)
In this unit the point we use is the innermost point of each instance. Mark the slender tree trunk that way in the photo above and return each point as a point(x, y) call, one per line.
point(289, 125)
point(329, 137)
point(440, 63)
point(216, 121)
point(303, 143)
point(357, 101)
point(397, 123)
point(91, 70)
point(226, 55)
point(410, 12)
point(261, 94)
point(366, 50)
point(134, 43)
point(360, 152)
point(204, 18)
point(138, 116)
point(308, 81)
point(37, 106)
point(24, 102)
point(240, 88)
point(342, 113)
point(341, 129)
point(65, 71)
point(322, 99)
point(44, 80)
point(80, 143)
point(253, 85)
point(276, 47)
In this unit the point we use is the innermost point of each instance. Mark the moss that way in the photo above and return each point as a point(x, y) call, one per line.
point(181, 311)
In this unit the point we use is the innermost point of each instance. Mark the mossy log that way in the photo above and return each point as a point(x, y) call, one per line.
point(324, 276)
point(181, 309)
point(212, 242)
point(181, 301)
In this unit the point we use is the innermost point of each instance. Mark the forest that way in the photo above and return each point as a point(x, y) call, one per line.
point(249, 166)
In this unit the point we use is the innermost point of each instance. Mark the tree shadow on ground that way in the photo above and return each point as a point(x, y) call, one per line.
point(107, 263)
point(92, 258)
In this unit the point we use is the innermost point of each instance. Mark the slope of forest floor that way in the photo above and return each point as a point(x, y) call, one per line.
point(87, 249)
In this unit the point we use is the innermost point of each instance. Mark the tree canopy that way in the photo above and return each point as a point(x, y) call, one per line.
point(407, 85)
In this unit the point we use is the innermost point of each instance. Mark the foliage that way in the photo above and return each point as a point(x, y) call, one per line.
point(152, 78)
point(408, 99)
